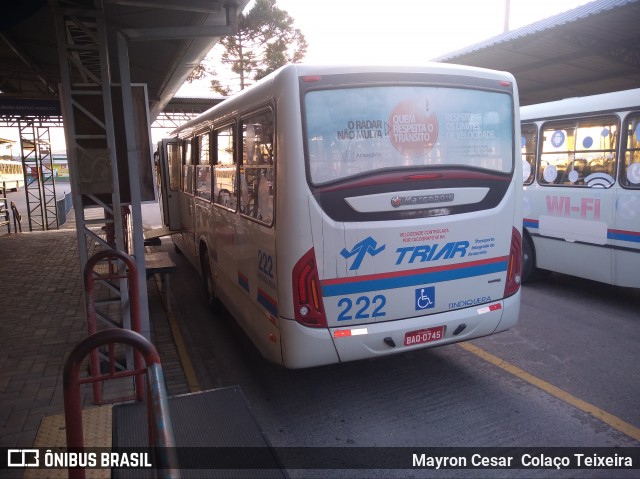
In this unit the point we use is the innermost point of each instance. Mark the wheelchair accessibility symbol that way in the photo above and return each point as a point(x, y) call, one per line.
point(425, 298)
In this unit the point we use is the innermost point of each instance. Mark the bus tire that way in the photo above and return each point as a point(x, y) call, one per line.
point(530, 272)
point(209, 282)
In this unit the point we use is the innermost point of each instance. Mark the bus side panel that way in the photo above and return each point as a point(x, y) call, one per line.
point(569, 258)
point(302, 346)
point(292, 222)
point(625, 235)
point(627, 265)
point(257, 281)
point(569, 231)
point(246, 282)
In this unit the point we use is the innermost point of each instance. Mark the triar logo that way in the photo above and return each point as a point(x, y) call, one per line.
point(360, 250)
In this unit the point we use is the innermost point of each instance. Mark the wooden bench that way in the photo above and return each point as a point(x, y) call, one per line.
point(160, 263)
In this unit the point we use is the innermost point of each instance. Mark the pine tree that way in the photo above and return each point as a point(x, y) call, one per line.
point(266, 40)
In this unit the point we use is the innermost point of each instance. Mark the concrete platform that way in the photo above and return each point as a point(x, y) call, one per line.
point(42, 319)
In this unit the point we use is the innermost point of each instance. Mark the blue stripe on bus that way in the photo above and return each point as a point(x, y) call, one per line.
point(267, 302)
point(529, 223)
point(405, 279)
point(622, 235)
point(243, 281)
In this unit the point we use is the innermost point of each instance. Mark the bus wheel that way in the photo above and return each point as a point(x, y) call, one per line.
point(529, 270)
point(528, 265)
point(209, 283)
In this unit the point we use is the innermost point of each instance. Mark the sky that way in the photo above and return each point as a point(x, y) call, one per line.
point(390, 31)
point(407, 31)
point(402, 31)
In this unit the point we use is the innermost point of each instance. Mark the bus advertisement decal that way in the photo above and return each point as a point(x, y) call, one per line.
point(410, 278)
point(562, 206)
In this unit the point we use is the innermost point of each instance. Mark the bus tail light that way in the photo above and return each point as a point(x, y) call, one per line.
point(514, 268)
point(307, 298)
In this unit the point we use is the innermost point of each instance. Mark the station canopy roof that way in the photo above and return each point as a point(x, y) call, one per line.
point(594, 48)
point(29, 59)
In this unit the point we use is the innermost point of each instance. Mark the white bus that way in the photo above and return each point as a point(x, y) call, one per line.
point(343, 213)
point(581, 171)
point(11, 174)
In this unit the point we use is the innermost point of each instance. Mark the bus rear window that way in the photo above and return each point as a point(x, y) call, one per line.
point(353, 131)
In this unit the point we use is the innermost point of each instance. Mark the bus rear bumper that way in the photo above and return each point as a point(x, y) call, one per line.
point(381, 339)
point(317, 347)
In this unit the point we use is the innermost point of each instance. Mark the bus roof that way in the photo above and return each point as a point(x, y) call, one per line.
point(615, 101)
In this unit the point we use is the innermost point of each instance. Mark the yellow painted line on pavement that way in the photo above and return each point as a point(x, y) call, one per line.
point(187, 366)
point(183, 355)
point(613, 421)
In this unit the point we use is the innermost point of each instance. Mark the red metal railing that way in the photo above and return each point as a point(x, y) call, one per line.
point(159, 422)
point(115, 273)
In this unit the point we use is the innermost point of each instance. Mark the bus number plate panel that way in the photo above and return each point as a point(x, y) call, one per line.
point(423, 336)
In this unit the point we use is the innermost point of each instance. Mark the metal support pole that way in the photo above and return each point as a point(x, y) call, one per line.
point(134, 181)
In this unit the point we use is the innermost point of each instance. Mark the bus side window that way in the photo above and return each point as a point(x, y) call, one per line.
point(174, 156)
point(257, 171)
point(528, 148)
point(203, 169)
point(556, 157)
point(598, 140)
point(630, 170)
point(224, 177)
point(580, 152)
point(187, 169)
